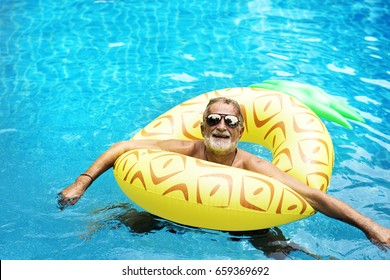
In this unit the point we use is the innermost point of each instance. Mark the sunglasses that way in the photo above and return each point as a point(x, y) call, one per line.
point(230, 120)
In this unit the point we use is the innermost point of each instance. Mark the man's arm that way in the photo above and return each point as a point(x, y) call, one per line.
point(71, 194)
point(323, 202)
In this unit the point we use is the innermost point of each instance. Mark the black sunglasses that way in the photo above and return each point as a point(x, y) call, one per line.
point(230, 120)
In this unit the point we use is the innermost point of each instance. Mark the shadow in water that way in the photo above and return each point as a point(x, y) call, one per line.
point(271, 241)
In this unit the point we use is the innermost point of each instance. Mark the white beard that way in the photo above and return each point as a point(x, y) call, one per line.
point(219, 146)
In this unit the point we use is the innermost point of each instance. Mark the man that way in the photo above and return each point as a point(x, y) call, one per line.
point(222, 128)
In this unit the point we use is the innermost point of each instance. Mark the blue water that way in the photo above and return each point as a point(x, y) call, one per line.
point(78, 76)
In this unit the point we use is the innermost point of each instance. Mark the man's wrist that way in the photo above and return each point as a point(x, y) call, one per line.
point(87, 175)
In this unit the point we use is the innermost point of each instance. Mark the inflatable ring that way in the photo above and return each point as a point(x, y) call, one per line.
point(203, 194)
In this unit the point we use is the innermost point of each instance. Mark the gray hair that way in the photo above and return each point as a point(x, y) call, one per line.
point(226, 101)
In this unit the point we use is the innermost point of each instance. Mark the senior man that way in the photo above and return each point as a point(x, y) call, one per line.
point(222, 128)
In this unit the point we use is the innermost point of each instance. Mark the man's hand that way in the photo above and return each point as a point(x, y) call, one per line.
point(70, 195)
point(380, 236)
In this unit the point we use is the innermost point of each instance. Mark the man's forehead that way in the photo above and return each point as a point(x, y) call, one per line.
point(222, 107)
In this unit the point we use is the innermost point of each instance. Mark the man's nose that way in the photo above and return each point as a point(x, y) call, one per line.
point(222, 125)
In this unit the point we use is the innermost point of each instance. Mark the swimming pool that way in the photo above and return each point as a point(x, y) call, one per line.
point(81, 75)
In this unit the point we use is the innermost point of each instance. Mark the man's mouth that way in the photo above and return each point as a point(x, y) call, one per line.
point(220, 135)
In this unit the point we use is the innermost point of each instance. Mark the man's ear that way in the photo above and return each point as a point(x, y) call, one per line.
point(241, 131)
point(202, 128)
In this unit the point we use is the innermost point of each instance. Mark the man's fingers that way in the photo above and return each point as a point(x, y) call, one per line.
point(64, 202)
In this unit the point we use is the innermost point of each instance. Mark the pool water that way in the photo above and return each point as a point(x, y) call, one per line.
point(78, 76)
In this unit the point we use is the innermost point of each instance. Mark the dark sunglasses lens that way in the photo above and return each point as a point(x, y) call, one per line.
point(231, 121)
point(213, 119)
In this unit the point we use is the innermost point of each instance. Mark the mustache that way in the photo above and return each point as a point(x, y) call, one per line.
point(218, 133)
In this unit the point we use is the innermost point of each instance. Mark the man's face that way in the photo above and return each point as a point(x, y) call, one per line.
point(221, 138)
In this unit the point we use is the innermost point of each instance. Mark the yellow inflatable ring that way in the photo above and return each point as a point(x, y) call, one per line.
point(203, 194)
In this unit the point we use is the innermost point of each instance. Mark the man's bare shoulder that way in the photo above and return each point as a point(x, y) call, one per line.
point(249, 161)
